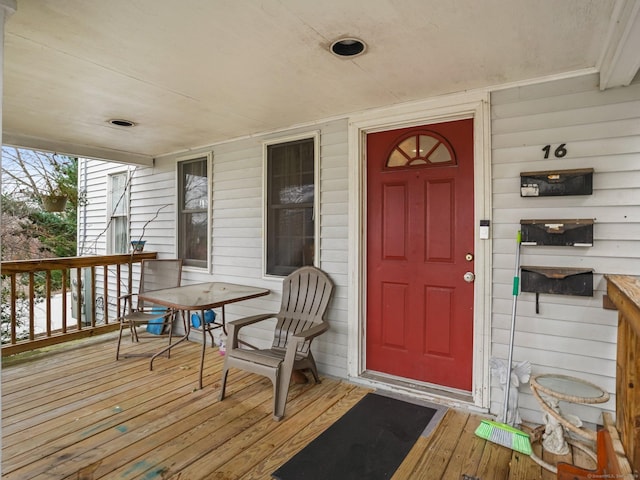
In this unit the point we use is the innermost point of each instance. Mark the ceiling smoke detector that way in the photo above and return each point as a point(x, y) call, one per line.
point(119, 122)
point(348, 47)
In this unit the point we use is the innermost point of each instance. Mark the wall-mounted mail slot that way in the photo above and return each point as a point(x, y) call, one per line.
point(557, 233)
point(557, 280)
point(556, 182)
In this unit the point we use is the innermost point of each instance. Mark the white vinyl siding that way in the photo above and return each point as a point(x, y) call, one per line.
point(92, 217)
point(152, 201)
point(94, 228)
point(237, 222)
point(238, 205)
point(571, 335)
point(152, 217)
point(153, 208)
point(237, 208)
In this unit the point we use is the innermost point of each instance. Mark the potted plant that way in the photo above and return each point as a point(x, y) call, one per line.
point(138, 245)
point(54, 201)
point(55, 188)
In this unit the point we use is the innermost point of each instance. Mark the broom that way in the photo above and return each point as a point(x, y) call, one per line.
point(500, 432)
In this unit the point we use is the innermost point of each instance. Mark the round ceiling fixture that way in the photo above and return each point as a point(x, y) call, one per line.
point(348, 47)
point(119, 122)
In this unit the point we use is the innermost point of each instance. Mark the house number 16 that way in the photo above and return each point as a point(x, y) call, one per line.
point(559, 152)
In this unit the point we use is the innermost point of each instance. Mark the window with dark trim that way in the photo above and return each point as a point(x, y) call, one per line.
point(290, 215)
point(193, 212)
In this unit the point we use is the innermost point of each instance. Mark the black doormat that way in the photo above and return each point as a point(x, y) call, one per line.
point(370, 442)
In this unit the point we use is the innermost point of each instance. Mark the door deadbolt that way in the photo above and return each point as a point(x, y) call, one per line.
point(469, 257)
point(469, 277)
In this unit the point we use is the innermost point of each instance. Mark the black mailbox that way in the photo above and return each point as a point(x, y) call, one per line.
point(556, 183)
point(557, 280)
point(557, 233)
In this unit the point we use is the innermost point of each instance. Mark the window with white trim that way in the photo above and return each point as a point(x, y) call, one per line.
point(290, 205)
point(193, 211)
point(118, 211)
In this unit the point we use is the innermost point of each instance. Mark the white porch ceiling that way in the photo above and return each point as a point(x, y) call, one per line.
point(197, 72)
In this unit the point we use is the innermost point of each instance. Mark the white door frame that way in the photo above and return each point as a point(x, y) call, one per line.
point(469, 105)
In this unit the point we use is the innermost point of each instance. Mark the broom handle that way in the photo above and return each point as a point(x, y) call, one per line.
point(516, 288)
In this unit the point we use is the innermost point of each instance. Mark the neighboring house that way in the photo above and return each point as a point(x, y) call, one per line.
point(384, 197)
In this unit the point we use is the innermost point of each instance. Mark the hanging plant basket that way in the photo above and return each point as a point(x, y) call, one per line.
point(54, 203)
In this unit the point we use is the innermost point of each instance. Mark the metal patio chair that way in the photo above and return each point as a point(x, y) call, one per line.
point(305, 296)
point(155, 275)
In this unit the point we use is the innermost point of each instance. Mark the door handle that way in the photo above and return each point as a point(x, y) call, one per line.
point(469, 277)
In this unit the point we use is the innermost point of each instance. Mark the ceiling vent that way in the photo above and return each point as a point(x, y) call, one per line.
point(348, 47)
point(119, 122)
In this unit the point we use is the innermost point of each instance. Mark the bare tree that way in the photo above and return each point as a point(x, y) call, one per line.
point(26, 174)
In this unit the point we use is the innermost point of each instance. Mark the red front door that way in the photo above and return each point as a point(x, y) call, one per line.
point(420, 244)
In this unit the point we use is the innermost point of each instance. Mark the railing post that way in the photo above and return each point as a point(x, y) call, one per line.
point(119, 292)
point(64, 300)
point(79, 299)
point(93, 296)
point(31, 304)
point(14, 317)
point(105, 295)
point(48, 301)
point(130, 281)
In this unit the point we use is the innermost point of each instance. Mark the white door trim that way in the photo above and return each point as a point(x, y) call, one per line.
point(469, 105)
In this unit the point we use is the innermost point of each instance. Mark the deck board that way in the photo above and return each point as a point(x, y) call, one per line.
point(437, 457)
point(468, 452)
point(73, 412)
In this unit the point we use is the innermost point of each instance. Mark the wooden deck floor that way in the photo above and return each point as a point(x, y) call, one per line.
point(76, 413)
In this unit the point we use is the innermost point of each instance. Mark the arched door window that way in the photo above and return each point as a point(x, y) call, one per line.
point(425, 149)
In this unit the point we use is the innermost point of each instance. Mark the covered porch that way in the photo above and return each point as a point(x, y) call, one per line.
point(218, 84)
point(71, 411)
